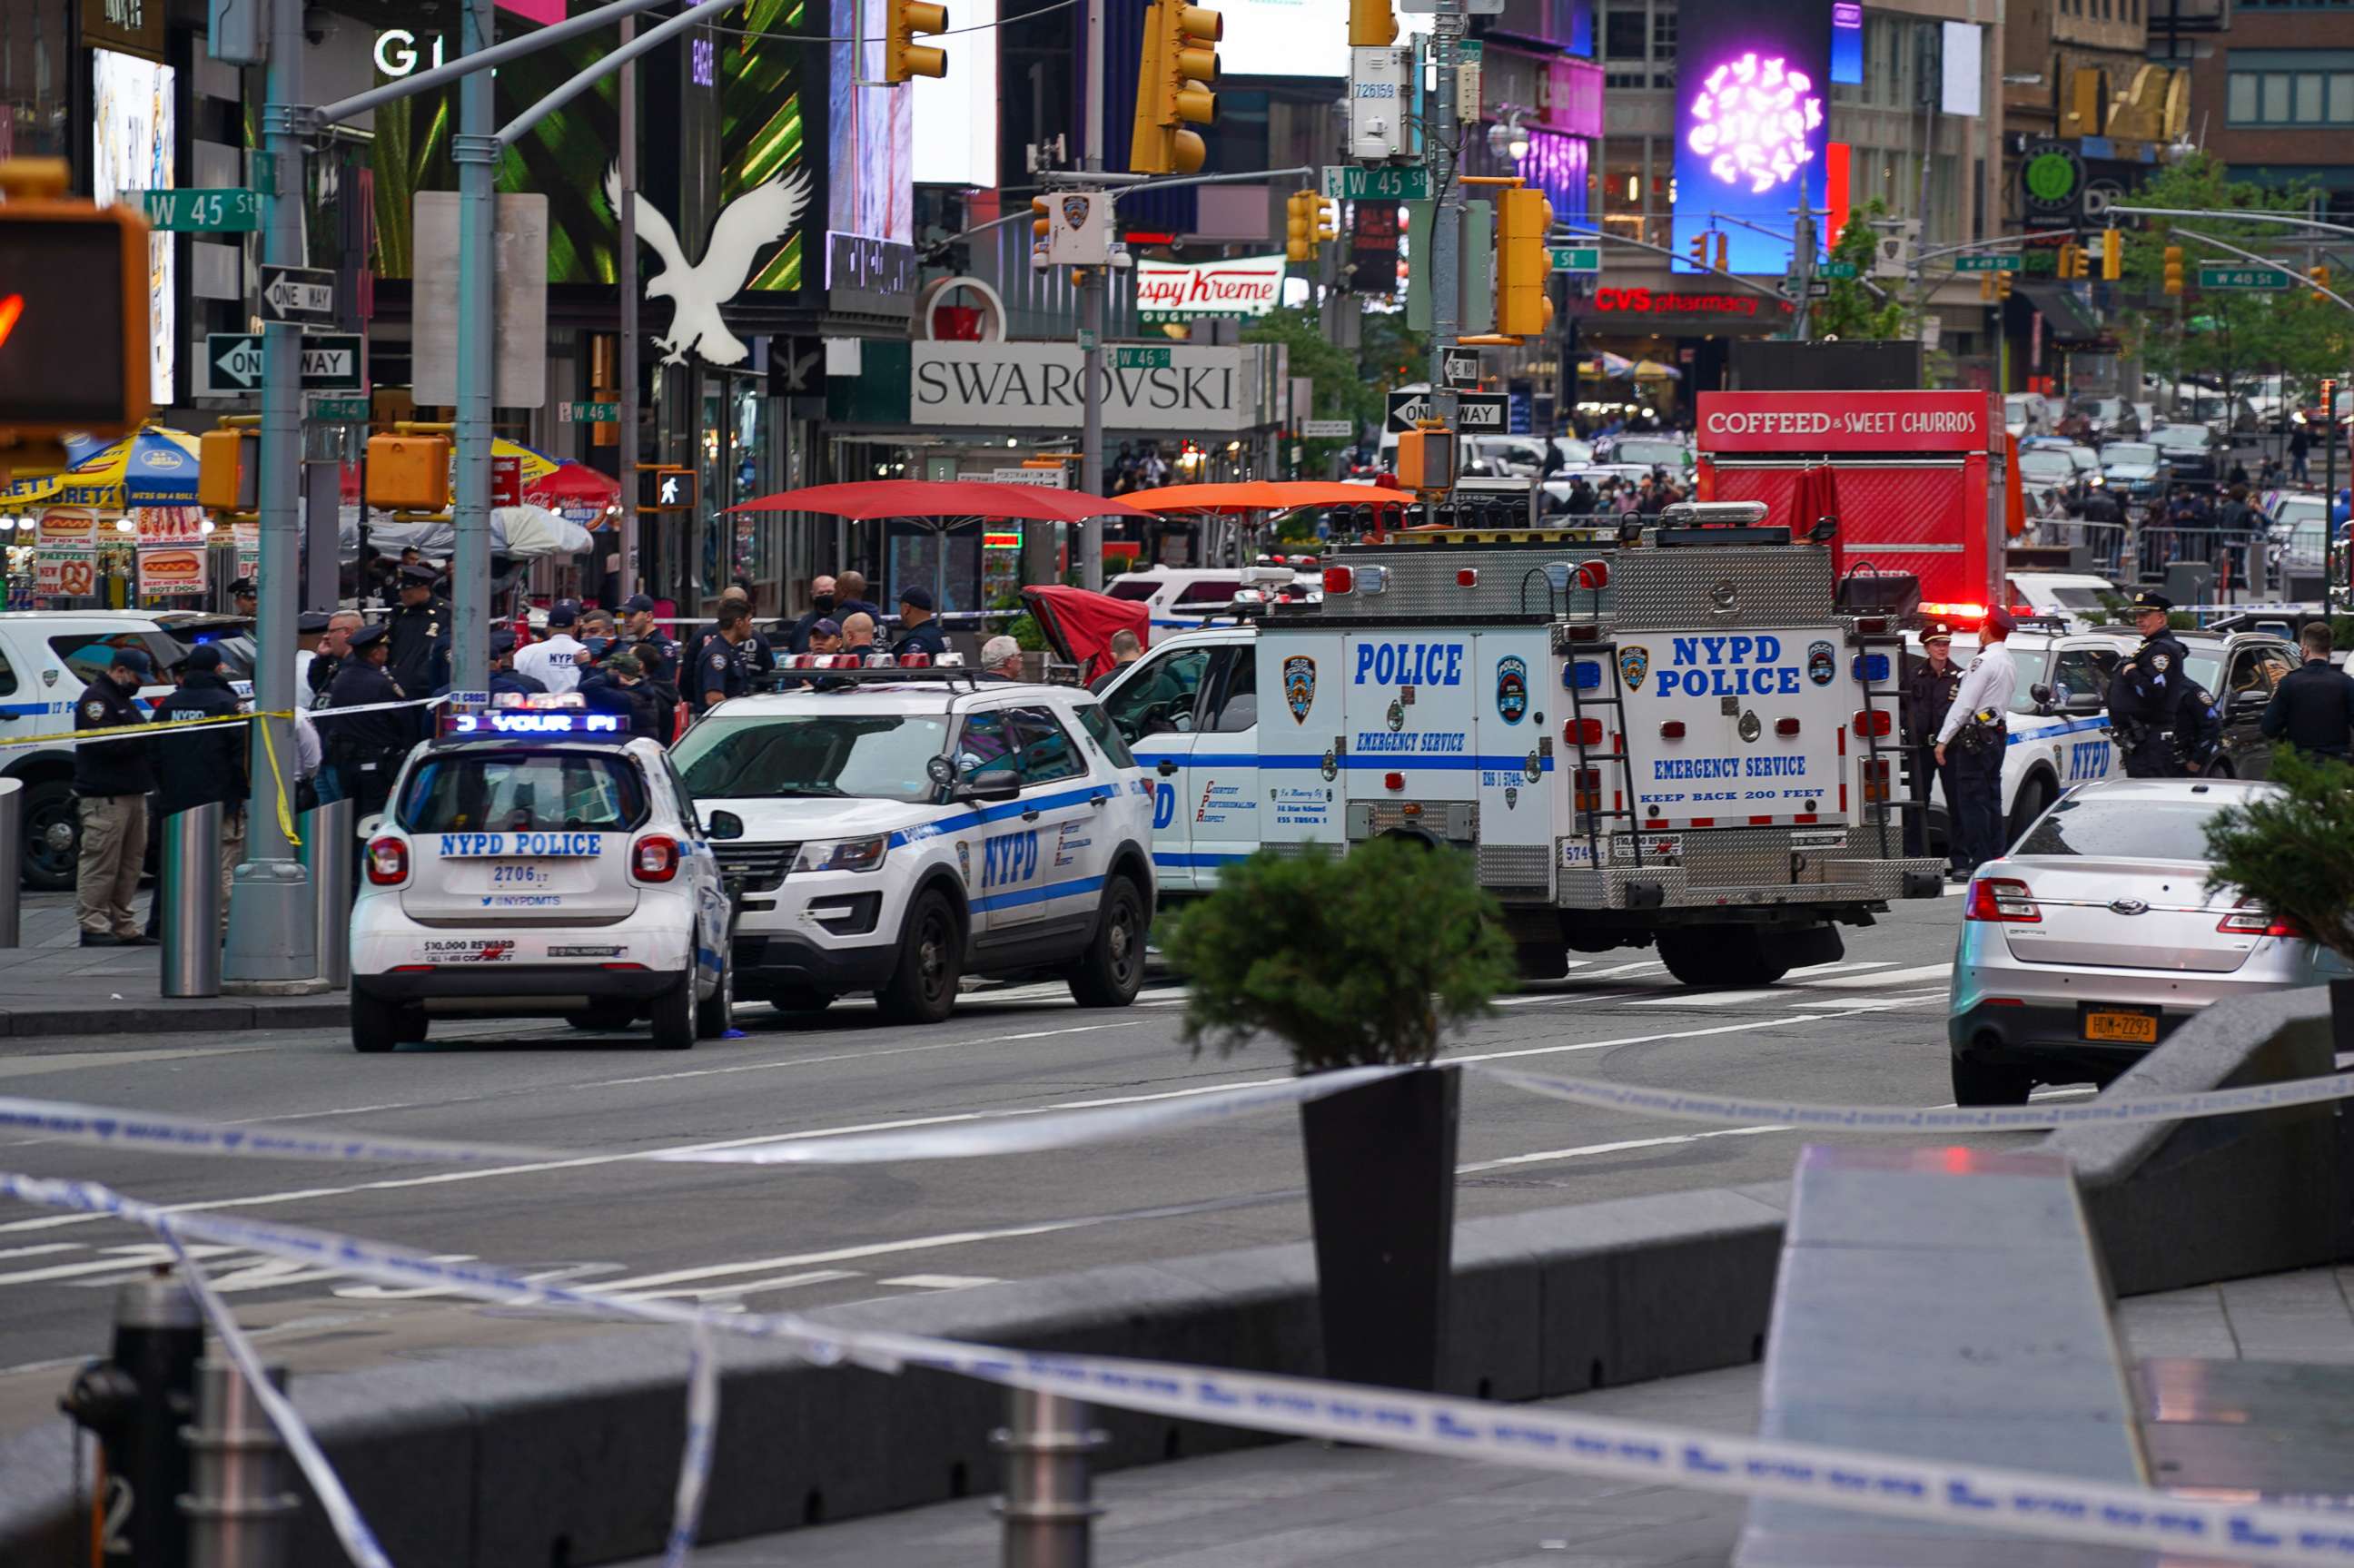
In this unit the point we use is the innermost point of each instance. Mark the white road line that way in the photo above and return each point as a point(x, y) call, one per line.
point(125, 1257)
point(1901, 999)
point(1625, 969)
point(1841, 968)
point(1563, 999)
point(1546, 1155)
point(838, 1255)
point(752, 1288)
point(1956, 889)
point(1705, 998)
point(849, 1057)
point(940, 1281)
point(1890, 977)
point(37, 1251)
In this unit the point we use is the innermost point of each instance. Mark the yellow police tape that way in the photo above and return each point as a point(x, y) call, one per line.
point(165, 726)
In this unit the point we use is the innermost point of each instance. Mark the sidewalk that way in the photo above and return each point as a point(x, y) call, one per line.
point(2247, 1385)
point(53, 987)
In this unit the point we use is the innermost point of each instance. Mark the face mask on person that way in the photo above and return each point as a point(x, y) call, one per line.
point(824, 603)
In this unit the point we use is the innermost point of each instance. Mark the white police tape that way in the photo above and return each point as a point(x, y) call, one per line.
point(695, 1460)
point(2103, 1111)
point(114, 1127)
point(2016, 1502)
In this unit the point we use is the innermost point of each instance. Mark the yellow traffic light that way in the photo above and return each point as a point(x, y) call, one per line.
point(1180, 61)
point(2068, 259)
point(2320, 277)
point(1371, 25)
point(1523, 262)
point(64, 364)
point(1723, 242)
point(2003, 285)
point(1699, 251)
point(408, 473)
point(1986, 286)
point(2174, 269)
point(902, 55)
point(1299, 226)
point(225, 469)
point(1328, 219)
point(2113, 255)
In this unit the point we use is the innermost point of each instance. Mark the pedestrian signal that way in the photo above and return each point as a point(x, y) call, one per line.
point(74, 334)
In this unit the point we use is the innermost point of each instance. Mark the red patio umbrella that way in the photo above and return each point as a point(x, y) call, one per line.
point(1080, 625)
point(1266, 495)
point(916, 498)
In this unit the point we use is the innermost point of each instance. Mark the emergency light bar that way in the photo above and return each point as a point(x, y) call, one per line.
point(918, 661)
point(1713, 513)
point(515, 720)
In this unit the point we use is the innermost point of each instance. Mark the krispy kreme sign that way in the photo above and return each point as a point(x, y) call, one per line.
point(1172, 290)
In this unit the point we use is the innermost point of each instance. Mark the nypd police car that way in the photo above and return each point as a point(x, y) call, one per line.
point(902, 827)
point(535, 859)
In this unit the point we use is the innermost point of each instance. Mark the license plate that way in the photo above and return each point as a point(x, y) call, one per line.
point(2121, 1025)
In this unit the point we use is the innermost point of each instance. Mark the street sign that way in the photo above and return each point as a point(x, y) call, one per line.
point(2235, 275)
point(1817, 289)
point(305, 294)
point(1141, 359)
point(1986, 264)
point(1836, 269)
point(587, 413)
point(1477, 413)
point(1036, 478)
point(331, 362)
point(1327, 430)
point(1460, 367)
point(1089, 341)
point(225, 211)
point(338, 411)
point(1577, 259)
point(1376, 182)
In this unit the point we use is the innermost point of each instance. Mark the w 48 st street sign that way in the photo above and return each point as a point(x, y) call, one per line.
point(331, 362)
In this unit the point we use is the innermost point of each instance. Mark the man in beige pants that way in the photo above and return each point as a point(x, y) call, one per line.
point(112, 778)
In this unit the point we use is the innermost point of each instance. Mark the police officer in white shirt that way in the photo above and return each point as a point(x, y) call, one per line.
point(550, 660)
point(1971, 743)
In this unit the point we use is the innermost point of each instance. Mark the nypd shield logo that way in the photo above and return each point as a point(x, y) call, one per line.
point(1634, 663)
point(1396, 715)
point(1299, 686)
point(1512, 688)
point(1075, 211)
point(1822, 663)
point(1512, 796)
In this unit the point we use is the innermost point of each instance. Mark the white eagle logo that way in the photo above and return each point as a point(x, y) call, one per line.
point(749, 224)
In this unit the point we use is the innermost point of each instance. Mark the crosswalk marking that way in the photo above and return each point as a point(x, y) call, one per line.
point(940, 1281)
point(1705, 998)
point(119, 1258)
point(1889, 977)
point(749, 1287)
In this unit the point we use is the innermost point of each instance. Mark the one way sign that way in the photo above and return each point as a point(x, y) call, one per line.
point(331, 362)
point(304, 294)
point(1477, 413)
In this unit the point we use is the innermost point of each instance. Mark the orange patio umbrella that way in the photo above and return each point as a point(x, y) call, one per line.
point(1265, 495)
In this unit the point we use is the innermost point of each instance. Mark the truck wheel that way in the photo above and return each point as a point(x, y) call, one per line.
point(923, 989)
point(1112, 971)
point(674, 1016)
point(52, 836)
point(1977, 1083)
point(1722, 956)
point(716, 1015)
point(378, 1027)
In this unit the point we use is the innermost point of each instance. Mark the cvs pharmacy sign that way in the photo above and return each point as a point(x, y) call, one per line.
point(1249, 286)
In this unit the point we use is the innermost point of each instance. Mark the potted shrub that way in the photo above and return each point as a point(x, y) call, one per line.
point(1366, 961)
point(2294, 854)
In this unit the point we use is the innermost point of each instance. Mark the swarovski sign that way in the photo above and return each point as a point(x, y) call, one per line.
point(1247, 286)
point(1037, 386)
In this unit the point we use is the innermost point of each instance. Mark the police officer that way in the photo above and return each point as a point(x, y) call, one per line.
point(504, 677)
point(242, 598)
point(2146, 692)
point(366, 749)
point(918, 631)
point(1971, 740)
point(198, 767)
point(725, 659)
point(641, 630)
point(112, 778)
point(1930, 687)
point(2198, 730)
point(335, 649)
point(2313, 707)
point(415, 628)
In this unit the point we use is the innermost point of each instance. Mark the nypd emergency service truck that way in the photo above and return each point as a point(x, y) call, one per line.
point(1675, 739)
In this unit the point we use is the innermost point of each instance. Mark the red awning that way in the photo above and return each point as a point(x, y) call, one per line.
point(960, 498)
point(1080, 625)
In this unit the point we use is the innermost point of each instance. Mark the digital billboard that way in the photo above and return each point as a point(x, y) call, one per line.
point(130, 151)
point(956, 115)
point(870, 133)
point(1753, 103)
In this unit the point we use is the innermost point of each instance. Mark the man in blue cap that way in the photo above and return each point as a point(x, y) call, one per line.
point(920, 633)
point(366, 749)
point(2147, 693)
point(550, 660)
point(112, 778)
point(1971, 742)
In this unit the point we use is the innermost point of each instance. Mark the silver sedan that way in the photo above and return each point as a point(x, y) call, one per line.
point(2095, 936)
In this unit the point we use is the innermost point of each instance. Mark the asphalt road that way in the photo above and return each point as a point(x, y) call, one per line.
point(1869, 1029)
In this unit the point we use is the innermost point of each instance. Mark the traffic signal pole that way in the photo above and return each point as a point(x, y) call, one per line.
point(1091, 324)
point(475, 151)
point(271, 931)
point(1440, 136)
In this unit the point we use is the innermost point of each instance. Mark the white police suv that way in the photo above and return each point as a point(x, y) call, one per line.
point(535, 859)
point(902, 827)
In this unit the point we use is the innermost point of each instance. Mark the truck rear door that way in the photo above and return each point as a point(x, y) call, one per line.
point(1738, 729)
point(1520, 714)
point(1302, 737)
point(1409, 718)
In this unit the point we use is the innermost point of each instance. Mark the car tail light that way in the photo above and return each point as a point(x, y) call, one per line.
point(1589, 789)
point(1785, 727)
point(654, 858)
point(1872, 721)
point(2001, 898)
point(1467, 576)
point(1581, 732)
point(387, 863)
point(1339, 580)
point(1875, 779)
point(2250, 918)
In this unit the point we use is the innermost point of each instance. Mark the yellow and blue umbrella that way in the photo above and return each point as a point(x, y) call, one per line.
point(153, 466)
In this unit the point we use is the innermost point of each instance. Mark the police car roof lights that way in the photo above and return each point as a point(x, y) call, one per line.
point(535, 721)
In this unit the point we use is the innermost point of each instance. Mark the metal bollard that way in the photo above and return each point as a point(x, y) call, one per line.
point(327, 850)
point(135, 1402)
point(1049, 1517)
point(189, 883)
point(11, 859)
point(239, 1512)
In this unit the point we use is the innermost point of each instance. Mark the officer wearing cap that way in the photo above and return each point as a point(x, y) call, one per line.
point(504, 676)
point(550, 660)
point(1971, 740)
point(2148, 691)
point(309, 628)
point(725, 658)
point(198, 767)
point(641, 630)
point(366, 749)
point(918, 631)
point(415, 628)
point(242, 600)
point(1931, 684)
point(112, 779)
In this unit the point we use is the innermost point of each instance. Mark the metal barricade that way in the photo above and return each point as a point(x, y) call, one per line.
point(2237, 556)
point(12, 860)
point(188, 886)
point(327, 852)
point(2103, 544)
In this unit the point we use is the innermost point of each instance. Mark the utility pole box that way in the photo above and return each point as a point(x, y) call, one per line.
point(1381, 102)
point(1475, 280)
point(519, 310)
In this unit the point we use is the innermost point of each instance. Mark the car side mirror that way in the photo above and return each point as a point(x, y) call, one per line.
point(2082, 703)
point(997, 784)
point(2040, 692)
point(723, 825)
